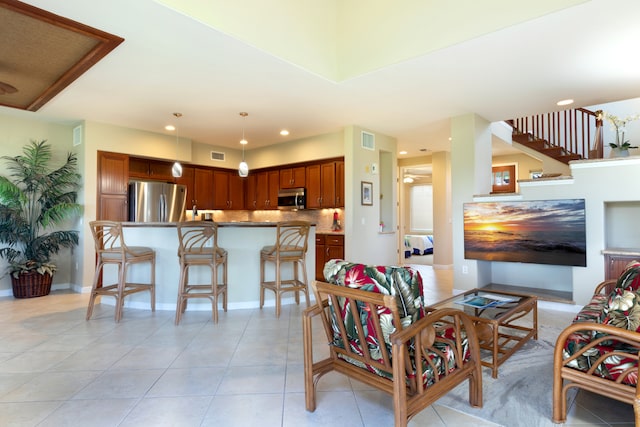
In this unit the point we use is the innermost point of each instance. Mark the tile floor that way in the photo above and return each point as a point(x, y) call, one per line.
point(56, 369)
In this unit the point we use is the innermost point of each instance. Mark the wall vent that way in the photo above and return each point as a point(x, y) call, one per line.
point(77, 136)
point(368, 141)
point(217, 155)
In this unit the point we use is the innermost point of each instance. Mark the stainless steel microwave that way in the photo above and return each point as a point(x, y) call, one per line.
point(292, 199)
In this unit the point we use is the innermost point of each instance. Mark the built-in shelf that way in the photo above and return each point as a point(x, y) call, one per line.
point(542, 294)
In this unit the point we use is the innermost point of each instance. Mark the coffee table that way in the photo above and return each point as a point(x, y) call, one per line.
point(503, 327)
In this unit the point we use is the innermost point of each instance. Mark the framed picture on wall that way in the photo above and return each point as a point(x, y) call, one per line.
point(366, 193)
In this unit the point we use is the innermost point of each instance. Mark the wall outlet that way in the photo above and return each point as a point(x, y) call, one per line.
point(465, 269)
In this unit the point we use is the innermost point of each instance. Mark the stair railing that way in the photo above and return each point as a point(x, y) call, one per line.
point(576, 131)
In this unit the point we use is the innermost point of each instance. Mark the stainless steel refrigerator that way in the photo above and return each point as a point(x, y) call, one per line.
point(156, 201)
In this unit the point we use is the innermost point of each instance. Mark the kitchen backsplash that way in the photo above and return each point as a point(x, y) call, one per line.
point(323, 218)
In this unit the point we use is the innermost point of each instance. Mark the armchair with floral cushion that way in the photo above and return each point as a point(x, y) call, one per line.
point(599, 350)
point(379, 333)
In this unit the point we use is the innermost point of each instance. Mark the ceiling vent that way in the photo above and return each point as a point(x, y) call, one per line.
point(218, 156)
point(368, 141)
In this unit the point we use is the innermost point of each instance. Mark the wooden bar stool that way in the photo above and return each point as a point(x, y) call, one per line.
point(111, 249)
point(291, 246)
point(199, 247)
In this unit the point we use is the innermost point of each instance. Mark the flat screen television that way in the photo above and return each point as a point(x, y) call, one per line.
point(538, 232)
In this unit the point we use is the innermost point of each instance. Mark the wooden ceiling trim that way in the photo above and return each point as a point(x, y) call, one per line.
point(87, 46)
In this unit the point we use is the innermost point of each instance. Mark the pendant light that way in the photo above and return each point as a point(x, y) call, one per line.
point(176, 169)
point(243, 168)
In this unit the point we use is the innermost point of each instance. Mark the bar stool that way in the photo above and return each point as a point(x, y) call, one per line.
point(111, 249)
point(198, 242)
point(290, 246)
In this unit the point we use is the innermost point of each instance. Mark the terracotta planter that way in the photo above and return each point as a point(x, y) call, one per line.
point(31, 285)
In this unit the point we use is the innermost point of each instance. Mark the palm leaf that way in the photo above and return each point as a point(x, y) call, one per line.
point(33, 198)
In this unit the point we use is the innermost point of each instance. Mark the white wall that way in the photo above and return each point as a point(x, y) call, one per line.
point(363, 242)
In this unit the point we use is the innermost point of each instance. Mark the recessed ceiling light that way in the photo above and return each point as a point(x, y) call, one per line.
point(402, 152)
point(170, 127)
point(284, 132)
point(565, 102)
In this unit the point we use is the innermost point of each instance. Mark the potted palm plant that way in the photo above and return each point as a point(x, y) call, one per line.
point(35, 199)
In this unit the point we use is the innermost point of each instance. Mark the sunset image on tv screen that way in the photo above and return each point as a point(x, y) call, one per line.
point(539, 232)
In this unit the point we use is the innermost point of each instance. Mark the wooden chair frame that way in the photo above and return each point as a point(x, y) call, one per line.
point(404, 376)
point(111, 249)
point(292, 239)
point(565, 377)
point(198, 246)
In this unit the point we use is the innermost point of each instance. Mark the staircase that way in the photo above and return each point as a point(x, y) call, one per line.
point(567, 135)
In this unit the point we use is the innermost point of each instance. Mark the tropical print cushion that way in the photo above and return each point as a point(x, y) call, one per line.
point(406, 285)
point(630, 278)
point(402, 282)
point(621, 309)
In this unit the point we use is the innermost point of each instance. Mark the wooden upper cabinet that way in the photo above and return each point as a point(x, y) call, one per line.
point(160, 171)
point(221, 190)
point(313, 187)
point(267, 187)
point(251, 192)
point(228, 190)
point(113, 182)
point(156, 170)
point(138, 168)
point(203, 188)
point(113, 171)
point(340, 184)
point(321, 185)
point(292, 177)
point(236, 191)
point(187, 177)
point(328, 191)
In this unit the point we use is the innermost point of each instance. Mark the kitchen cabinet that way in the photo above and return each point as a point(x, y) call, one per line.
point(615, 260)
point(267, 187)
point(113, 183)
point(292, 177)
point(328, 247)
point(155, 170)
point(340, 184)
point(321, 185)
point(186, 179)
point(228, 192)
point(250, 192)
point(203, 188)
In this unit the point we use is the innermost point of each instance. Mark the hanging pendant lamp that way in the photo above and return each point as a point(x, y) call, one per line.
point(243, 168)
point(176, 169)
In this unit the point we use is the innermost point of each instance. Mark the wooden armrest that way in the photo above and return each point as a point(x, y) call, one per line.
point(607, 286)
point(316, 308)
point(613, 332)
point(609, 334)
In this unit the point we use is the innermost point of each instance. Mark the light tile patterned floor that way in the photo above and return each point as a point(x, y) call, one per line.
point(56, 369)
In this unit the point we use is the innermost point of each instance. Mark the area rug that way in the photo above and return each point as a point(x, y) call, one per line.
point(521, 395)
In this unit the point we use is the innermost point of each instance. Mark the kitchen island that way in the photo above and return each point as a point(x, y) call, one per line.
point(242, 240)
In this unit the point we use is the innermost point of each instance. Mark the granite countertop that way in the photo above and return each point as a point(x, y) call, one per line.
point(329, 231)
point(220, 224)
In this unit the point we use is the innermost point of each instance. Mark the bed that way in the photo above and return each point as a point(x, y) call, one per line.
point(418, 244)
